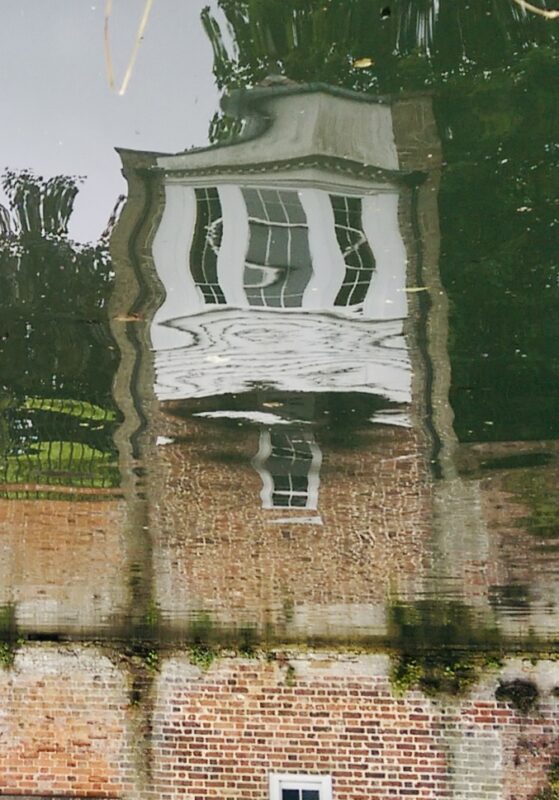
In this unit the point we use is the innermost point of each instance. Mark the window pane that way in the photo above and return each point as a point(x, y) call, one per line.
point(254, 204)
point(278, 262)
point(310, 794)
point(358, 256)
point(290, 794)
point(289, 465)
point(280, 500)
point(206, 243)
point(282, 483)
point(300, 483)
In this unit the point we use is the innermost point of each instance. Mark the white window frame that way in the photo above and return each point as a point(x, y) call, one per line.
point(385, 298)
point(320, 783)
point(268, 487)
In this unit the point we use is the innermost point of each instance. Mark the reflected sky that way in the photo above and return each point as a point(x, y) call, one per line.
point(64, 119)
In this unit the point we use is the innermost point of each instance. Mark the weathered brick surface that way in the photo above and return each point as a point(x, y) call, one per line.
point(216, 549)
point(64, 725)
point(245, 720)
point(225, 733)
point(63, 562)
point(69, 726)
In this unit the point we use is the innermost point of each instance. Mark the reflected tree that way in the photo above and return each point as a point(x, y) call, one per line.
point(409, 42)
point(499, 216)
point(493, 69)
point(41, 270)
point(57, 358)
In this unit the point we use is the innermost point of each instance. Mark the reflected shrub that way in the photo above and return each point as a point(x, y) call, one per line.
point(521, 695)
point(442, 647)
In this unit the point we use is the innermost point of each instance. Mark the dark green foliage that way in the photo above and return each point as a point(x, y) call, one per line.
point(57, 357)
point(53, 295)
point(499, 216)
point(41, 267)
point(551, 792)
point(414, 626)
point(201, 630)
point(441, 647)
point(9, 637)
point(319, 40)
point(201, 656)
point(522, 695)
point(448, 673)
point(536, 490)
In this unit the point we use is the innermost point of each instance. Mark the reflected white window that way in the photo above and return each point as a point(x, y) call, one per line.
point(208, 233)
point(271, 264)
point(355, 249)
point(278, 262)
point(288, 462)
point(300, 787)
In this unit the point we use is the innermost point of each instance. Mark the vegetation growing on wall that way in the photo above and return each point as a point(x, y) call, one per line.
point(551, 792)
point(441, 648)
point(520, 694)
point(9, 637)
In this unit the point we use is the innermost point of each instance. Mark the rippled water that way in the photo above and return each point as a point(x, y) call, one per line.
point(287, 367)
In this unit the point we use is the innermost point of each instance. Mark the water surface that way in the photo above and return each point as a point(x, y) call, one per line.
point(278, 332)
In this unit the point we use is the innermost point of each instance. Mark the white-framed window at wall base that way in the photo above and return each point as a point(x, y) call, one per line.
point(288, 462)
point(300, 787)
point(289, 249)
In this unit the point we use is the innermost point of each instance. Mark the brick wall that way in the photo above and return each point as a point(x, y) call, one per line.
point(217, 550)
point(525, 540)
point(71, 726)
point(63, 563)
point(64, 727)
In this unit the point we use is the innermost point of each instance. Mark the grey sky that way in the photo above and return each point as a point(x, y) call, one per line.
point(60, 115)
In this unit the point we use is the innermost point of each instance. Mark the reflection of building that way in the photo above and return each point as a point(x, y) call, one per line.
point(296, 217)
point(292, 301)
point(288, 461)
point(273, 273)
point(64, 562)
point(281, 492)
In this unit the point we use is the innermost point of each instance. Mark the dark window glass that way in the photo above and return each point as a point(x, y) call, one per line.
point(289, 465)
point(300, 483)
point(278, 262)
point(290, 794)
point(358, 256)
point(311, 794)
point(281, 483)
point(281, 500)
point(206, 242)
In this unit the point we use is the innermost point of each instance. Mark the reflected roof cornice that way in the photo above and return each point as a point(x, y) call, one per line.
point(260, 109)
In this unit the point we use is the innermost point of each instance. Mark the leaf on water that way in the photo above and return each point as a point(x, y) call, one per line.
point(128, 318)
point(362, 63)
